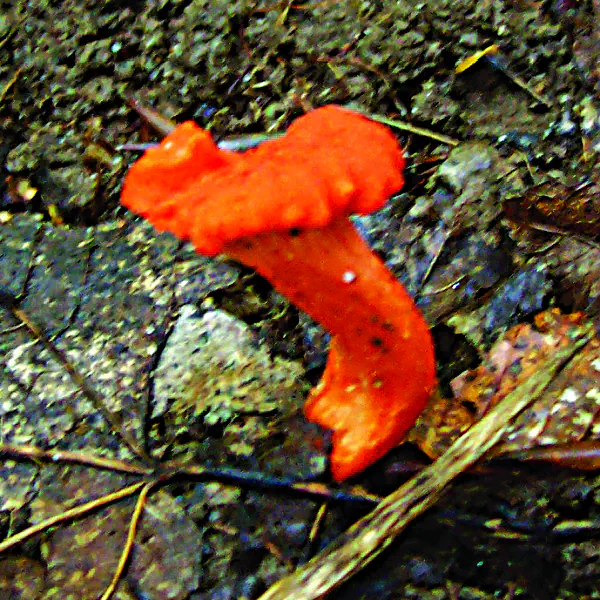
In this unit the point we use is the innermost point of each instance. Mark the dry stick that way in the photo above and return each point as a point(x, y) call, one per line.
point(68, 515)
point(162, 124)
point(367, 538)
point(135, 519)
point(403, 126)
point(13, 29)
point(9, 84)
point(240, 477)
point(34, 453)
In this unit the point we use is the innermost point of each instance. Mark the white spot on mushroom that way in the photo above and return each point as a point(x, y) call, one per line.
point(349, 276)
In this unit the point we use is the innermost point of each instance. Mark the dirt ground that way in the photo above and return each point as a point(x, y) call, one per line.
point(127, 358)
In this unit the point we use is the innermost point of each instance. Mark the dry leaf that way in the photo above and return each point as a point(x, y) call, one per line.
point(567, 412)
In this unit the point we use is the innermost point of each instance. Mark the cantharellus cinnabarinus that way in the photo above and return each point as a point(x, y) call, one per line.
point(282, 209)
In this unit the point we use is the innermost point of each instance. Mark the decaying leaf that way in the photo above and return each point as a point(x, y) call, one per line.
point(568, 410)
point(81, 557)
point(21, 578)
point(554, 206)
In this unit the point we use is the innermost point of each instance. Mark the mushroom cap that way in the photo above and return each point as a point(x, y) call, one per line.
point(331, 163)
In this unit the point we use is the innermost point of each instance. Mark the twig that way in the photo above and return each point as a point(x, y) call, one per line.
point(13, 30)
point(68, 515)
point(9, 84)
point(135, 519)
point(65, 456)
point(439, 137)
point(500, 62)
point(261, 480)
point(312, 536)
point(369, 537)
point(235, 144)
point(162, 124)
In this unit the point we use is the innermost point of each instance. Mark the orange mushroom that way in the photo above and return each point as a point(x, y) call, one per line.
point(282, 209)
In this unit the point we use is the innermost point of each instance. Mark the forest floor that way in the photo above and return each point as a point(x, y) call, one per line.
point(127, 359)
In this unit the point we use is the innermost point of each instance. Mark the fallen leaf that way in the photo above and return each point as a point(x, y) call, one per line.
point(568, 411)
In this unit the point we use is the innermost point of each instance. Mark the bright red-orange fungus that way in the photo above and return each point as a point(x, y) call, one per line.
point(282, 209)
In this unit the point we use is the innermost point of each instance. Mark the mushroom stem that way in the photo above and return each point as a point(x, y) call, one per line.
point(381, 367)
